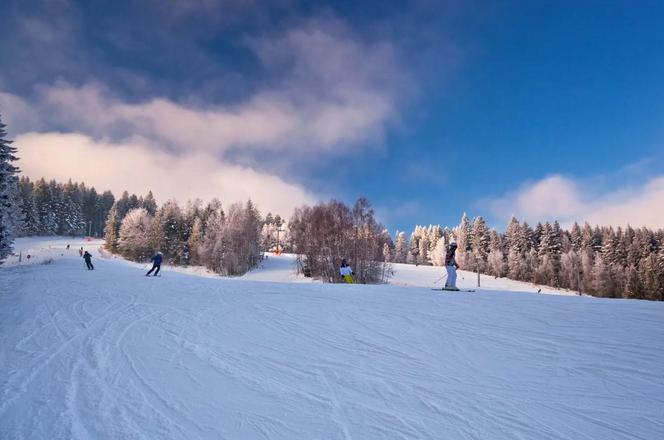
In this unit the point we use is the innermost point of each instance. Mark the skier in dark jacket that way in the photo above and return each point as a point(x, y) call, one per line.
point(87, 256)
point(156, 263)
point(451, 266)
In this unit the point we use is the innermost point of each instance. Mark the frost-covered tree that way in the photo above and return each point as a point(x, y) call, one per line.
point(423, 251)
point(134, 239)
point(112, 230)
point(46, 208)
point(232, 245)
point(650, 278)
point(576, 237)
point(516, 265)
point(570, 270)
point(481, 240)
point(10, 213)
point(438, 253)
point(387, 253)
point(401, 248)
point(195, 240)
point(166, 231)
point(464, 238)
point(31, 224)
point(601, 278)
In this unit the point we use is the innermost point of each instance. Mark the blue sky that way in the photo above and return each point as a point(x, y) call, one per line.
point(539, 109)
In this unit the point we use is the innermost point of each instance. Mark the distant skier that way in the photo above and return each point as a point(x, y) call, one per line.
point(156, 263)
point(451, 266)
point(87, 256)
point(346, 272)
point(80, 251)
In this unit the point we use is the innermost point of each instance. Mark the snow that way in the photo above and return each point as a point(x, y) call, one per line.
point(110, 354)
point(430, 276)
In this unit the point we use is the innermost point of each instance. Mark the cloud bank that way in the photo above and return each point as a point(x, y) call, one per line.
point(328, 91)
point(138, 167)
point(557, 197)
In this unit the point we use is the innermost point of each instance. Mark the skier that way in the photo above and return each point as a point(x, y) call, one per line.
point(346, 272)
point(80, 251)
point(451, 266)
point(87, 256)
point(156, 263)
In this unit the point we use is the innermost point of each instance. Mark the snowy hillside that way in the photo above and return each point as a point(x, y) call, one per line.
point(110, 354)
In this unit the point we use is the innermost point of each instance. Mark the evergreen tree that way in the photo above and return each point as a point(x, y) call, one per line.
point(423, 251)
point(601, 276)
point(149, 204)
point(650, 278)
point(439, 252)
point(166, 233)
point(496, 258)
point(10, 213)
point(576, 237)
point(31, 225)
point(46, 208)
point(480, 243)
point(464, 239)
point(401, 248)
point(111, 233)
point(387, 253)
point(570, 270)
point(633, 286)
point(195, 240)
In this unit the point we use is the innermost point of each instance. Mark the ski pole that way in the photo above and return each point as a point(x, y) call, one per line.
point(440, 278)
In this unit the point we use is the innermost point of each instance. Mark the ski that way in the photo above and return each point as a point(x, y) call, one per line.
point(450, 290)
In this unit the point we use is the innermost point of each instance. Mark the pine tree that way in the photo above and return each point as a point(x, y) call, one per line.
point(149, 204)
point(401, 248)
point(496, 258)
point(439, 252)
point(633, 287)
point(195, 240)
point(587, 262)
point(516, 265)
point(570, 270)
point(480, 243)
point(31, 225)
point(111, 233)
point(10, 214)
point(423, 251)
point(464, 238)
point(650, 277)
point(46, 208)
point(514, 239)
point(387, 253)
point(601, 276)
point(166, 234)
point(576, 237)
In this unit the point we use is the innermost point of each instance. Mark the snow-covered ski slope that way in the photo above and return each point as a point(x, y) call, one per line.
point(111, 354)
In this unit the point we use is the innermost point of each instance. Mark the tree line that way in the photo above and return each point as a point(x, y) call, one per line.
point(227, 242)
point(600, 261)
point(52, 208)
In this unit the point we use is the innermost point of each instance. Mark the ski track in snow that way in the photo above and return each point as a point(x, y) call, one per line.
point(112, 354)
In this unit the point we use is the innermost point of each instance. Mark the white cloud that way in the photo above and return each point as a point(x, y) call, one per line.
point(330, 90)
point(564, 199)
point(138, 166)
